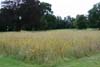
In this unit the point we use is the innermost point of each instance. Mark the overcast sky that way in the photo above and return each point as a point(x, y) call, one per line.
point(70, 7)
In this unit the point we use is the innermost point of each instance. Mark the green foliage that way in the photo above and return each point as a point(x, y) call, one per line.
point(94, 16)
point(50, 21)
point(30, 15)
point(81, 22)
point(17, 15)
point(25, 15)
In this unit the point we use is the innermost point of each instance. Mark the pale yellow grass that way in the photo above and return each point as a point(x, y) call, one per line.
point(47, 46)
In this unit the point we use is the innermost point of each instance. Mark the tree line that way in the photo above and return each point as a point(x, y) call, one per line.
point(17, 15)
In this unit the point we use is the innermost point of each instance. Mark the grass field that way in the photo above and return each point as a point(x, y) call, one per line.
point(49, 47)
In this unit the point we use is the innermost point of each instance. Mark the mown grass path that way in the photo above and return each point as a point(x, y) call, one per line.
point(9, 62)
point(93, 61)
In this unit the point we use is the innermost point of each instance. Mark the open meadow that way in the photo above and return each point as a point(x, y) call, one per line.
point(49, 47)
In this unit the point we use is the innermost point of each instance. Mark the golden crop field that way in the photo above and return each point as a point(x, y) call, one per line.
point(47, 46)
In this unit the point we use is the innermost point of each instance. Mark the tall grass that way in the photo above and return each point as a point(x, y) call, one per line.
point(48, 46)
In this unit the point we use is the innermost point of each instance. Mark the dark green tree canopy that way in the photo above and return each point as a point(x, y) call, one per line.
point(16, 15)
point(45, 8)
point(81, 22)
point(94, 16)
point(24, 14)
